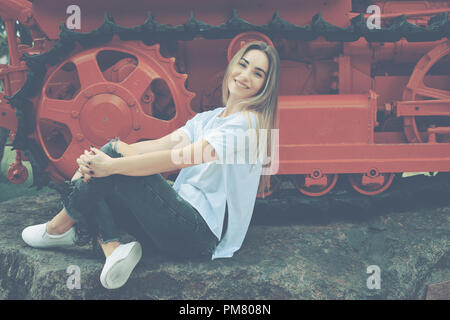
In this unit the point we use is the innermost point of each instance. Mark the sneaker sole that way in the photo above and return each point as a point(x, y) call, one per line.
point(119, 273)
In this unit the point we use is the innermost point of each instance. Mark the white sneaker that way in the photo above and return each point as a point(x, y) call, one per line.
point(36, 236)
point(120, 264)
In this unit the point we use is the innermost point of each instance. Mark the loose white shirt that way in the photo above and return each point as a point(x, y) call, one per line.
point(233, 179)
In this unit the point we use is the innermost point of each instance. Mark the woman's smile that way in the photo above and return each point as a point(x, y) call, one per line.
point(240, 84)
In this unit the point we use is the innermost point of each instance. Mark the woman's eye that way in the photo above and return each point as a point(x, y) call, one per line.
point(241, 64)
point(259, 75)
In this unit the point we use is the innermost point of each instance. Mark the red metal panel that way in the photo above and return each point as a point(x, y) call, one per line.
point(360, 158)
point(325, 119)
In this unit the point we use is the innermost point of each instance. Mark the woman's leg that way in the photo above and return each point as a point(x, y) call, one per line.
point(62, 222)
point(155, 214)
point(164, 218)
point(85, 206)
point(152, 211)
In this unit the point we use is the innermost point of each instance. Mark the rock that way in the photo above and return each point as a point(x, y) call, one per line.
point(296, 248)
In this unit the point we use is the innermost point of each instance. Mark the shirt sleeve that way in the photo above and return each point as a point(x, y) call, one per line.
point(189, 128)
point(230, 141)
point(193, 127)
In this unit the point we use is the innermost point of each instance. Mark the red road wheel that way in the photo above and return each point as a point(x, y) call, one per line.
point(315, 185)
point(371, 185)
point(122, 89)
point(423, 87)
point(17, 173)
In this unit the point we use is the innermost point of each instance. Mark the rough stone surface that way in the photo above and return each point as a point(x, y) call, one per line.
point(296, 248)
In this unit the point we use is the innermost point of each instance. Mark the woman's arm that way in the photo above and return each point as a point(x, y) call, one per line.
point(125, 149)
point(163, 160)
point(176, 139)
point(183, 154)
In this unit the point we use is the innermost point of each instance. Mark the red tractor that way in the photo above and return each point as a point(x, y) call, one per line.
point(364, 91)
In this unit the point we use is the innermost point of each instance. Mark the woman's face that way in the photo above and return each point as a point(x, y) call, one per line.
point(248, 76)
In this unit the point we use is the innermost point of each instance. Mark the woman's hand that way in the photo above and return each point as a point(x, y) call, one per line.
point(85, 177)
point(95, 163)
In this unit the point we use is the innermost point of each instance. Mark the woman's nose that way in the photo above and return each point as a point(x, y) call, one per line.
point(244, 76)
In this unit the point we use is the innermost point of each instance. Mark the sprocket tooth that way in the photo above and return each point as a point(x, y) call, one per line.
point(170, 61)
point(156, 47)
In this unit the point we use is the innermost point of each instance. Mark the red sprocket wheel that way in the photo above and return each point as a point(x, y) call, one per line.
point(418, 89)
point(121, 89)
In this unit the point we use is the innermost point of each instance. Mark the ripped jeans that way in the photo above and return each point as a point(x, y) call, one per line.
point(146, 207)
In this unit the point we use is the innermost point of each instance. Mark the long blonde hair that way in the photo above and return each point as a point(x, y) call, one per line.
point(265, 103)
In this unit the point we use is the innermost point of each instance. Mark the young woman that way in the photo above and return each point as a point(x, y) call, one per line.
point(208, 209)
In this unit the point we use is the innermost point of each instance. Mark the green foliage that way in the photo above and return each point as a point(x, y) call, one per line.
point(2, 25)
point(3, 46)
point(3, 40)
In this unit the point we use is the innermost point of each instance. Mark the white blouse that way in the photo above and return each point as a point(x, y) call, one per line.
point(233, 179)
